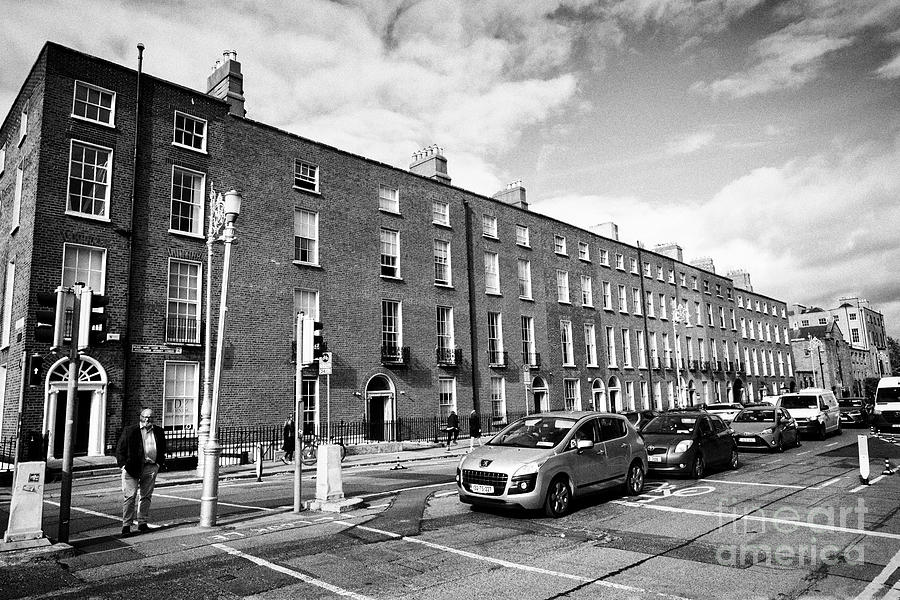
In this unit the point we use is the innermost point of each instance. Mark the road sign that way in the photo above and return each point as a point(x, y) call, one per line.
point(325, 364)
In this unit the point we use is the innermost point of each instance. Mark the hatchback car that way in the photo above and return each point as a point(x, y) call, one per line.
point(545, 460)
point(856, 412)
point(726, 411)
point(687, 442)
point(765, 427)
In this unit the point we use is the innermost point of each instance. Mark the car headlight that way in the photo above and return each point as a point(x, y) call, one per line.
point(683, 446)
point(529, 468)
point(768, 431)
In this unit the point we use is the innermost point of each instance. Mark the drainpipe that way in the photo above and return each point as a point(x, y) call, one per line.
point(473, 329)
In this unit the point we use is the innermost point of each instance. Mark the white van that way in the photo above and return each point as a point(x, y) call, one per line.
point(886, 415)
point(815, 410)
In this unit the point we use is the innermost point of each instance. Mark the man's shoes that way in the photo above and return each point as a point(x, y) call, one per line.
point(143, 528)
point(126, 530)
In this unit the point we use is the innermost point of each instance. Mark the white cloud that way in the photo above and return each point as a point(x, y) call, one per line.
point(890, 69)
point(690, 143)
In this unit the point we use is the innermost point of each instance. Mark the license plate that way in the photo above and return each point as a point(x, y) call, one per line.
point(482, 489)
point(655, 458)
point(746, 440)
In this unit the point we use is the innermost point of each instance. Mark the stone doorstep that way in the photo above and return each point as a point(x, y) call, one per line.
point(334, 506)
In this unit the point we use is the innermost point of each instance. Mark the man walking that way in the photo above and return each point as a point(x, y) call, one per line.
point(140, 453)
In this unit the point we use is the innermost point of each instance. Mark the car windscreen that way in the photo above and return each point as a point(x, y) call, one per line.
point(755, 416)
point(883, 395)
point(790, 402)
point(672, 424)
point(719, 407)
point(534, 432)
point(850, 402)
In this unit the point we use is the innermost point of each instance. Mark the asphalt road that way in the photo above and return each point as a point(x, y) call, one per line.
point(791, 525)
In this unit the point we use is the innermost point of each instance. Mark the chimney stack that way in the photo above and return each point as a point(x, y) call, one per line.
point(430, 162)
point(227, 83)
point(741, 279)
point(670, 249)
point(608, 230)
point(705, 263)
point(514, 194)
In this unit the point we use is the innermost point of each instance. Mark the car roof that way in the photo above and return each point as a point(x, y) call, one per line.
point(572, 414)
point(759, 407)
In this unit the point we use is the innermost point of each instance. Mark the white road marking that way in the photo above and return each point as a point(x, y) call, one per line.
point(89, 512)
point(876, 584)
point(262, 508)
point(871, 482)
point(291, 573)
point(748, 517)
point(827, 483)
point(777, 485)
point(509, 564)
point(830, 445)
point(804, 452)
point(443, 494)
point(397, 491)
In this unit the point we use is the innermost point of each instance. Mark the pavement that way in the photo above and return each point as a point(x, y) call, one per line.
point(396, 453)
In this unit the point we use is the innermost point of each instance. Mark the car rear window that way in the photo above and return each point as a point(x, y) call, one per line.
point(672, 424)
point(790, 402)
point(755, 416)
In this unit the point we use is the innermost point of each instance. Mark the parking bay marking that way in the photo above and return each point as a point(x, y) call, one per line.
point(506, 563)
point(869, 592)
point(749, 517)
point(864, 486)
point(776, 485)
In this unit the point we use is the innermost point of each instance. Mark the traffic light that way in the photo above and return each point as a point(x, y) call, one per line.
point(91, 324)
point(50, 325)
point(319, 346)
point(35, 369)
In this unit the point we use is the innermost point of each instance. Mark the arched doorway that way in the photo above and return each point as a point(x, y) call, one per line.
point(614, 394)
point(598, 396)
point(737, 391)
point(90, 408)
point(691, 393)
point(541, 395)
point(380, 408)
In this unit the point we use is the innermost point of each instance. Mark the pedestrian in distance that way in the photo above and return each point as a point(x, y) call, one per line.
point(140, 453)
point(474, 428)
point(288, 444)
point(452, 428)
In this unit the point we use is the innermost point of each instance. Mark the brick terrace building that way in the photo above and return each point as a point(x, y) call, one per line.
point(432, 298)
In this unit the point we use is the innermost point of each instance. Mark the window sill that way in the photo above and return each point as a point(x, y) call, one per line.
point(446, 286)
point(197, 150)
point(87, 216)
point(570, 365)
point(92, 121)
point(521, 245)
point(392, 277)
point(585, 260)
point(526, 298)
point(488, 236)
point(588, 306)
point(490, 293)
point(22, 140)
point(189, 234)
point(314, 192)
point(14, 229)
point(566, 302)
point(393, 213)
point(562, 254)
point(444, 225)
point(301, 263)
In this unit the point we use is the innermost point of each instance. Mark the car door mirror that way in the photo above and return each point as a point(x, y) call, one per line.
point(585, 444)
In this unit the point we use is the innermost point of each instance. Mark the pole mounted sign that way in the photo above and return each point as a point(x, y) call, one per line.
point(325, 364)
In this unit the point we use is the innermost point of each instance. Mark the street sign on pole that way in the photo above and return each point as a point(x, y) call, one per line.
point(325, 364)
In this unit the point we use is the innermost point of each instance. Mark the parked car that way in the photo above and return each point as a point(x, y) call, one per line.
point(765, 427)
point(856, 412)
point(726, 411)
point(687, 442)
point(545, 460)
point(639, 418)
point(815, 410)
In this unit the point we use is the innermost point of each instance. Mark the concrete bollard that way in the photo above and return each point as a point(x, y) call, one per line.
point(863, 444)
point(259, 462)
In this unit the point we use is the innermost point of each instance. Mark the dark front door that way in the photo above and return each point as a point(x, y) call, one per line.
point(376, 418)
point(82, 423)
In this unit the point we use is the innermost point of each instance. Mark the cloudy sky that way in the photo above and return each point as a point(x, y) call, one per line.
point(765, 135)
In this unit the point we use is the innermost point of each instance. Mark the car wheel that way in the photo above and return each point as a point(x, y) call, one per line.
point(634, 481)
point(559, 498)
point(735, 461)
point(698, 468)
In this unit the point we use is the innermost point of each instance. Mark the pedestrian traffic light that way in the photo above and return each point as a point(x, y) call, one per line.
point(91, 323)
point(319, 346)
point(35, 369)
point(50, 320)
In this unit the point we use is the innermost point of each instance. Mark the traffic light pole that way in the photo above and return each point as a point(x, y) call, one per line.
point(65, 491)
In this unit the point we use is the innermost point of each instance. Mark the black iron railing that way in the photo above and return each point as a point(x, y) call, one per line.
point(182, 330)
point(498, 358)
point(448, 357)
point(394, 355)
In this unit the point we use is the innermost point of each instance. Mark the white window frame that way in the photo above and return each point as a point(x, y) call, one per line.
point(623, 299)
point(389, 199)
point(559, 245)
point(17, 199)
point(443, 272)
point(492, 273)
point(189, 396)
point(440, 213)
point(392, 324)
point(626, 349)
point(306, 176)
point(8, 290)
point(389, 244)
point(107, 184)
point(2, 158)
point(562, 286)
point(495, 338)
point(446, 336)
point(529, 350)
point(523, 236)
point(99, 107)
point(197, 204)
point(307, 302)
point(93, 275)
point(584, 252)
point(572, 394)
point(193, 134)
point(184, 304)
point(498, 397)
point(636, 301)
point(590, 345)
point(302, 231)
point(524, 272)
point(23, 125)
point(642, 349)
point(587, 291)
point(489, 226)
point(566, 343)
point(611, 347)
point(651, 308)
point(604, 257)
point(620, 261)
point(446, 396)
point(607, 295)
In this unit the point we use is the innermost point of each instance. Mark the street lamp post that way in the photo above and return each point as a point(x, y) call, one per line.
point(213, 233)
point(213, 450)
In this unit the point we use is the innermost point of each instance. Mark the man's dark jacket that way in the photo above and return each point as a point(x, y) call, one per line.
point(130, 449)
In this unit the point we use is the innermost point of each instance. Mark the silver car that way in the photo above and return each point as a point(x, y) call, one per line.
point(545, 460)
